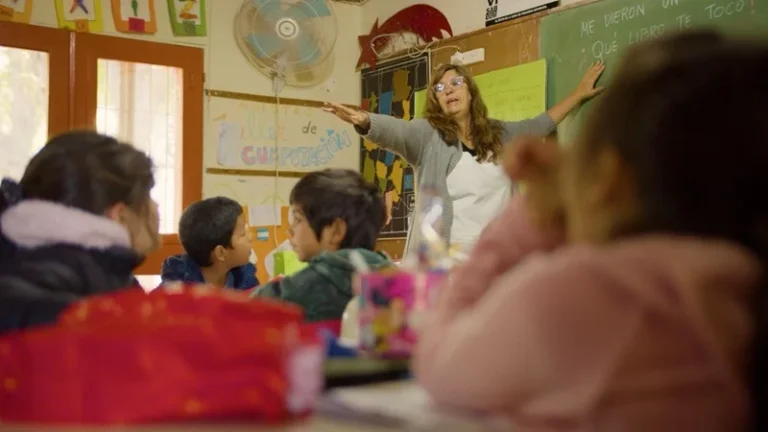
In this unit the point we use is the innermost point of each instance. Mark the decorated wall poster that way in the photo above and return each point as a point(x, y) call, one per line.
point(187, 17)
point(80, 15)
point(134, 16)
point(16, 10)
point(392, 88)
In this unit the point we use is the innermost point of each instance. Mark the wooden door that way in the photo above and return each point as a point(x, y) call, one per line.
point(151, 95)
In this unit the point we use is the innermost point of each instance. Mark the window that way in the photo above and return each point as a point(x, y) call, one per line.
point(23, 107)
point(141, 103)
point(150, 94)
point(30, 94)
point(146, 93)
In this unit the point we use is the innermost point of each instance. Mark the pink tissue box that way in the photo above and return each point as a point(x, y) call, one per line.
point(392, 305)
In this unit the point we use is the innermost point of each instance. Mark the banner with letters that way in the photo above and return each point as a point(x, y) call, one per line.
point(497, 11)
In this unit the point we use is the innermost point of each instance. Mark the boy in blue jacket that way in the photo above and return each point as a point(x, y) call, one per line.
point(218, 246)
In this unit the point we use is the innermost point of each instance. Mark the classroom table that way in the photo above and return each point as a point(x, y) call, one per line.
point(411, 414)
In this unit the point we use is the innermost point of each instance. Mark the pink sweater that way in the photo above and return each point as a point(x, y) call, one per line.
point(645, 334)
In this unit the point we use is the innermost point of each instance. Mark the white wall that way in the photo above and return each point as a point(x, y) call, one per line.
point(229, 70)
point(226, 68)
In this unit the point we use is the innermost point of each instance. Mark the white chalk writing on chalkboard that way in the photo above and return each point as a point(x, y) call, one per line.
point(574, 38)
point(604, 48)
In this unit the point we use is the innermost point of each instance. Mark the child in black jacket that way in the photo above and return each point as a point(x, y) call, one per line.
point(78, 223)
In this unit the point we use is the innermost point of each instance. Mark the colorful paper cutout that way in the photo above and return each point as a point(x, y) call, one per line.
point(80, 15)
point(187, 17)
point(16, 10)
point(134, 16)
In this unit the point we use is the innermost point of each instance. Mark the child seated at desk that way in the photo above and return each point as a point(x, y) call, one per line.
point(77, 224)
point(651, 315)
point(217, 247)
point(333, 212)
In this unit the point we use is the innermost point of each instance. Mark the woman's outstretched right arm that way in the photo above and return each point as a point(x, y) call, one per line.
point(406, 138)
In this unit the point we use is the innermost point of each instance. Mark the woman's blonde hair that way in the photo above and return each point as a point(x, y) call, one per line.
point(486, 133)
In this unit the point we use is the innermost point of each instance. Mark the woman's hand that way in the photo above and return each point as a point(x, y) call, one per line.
point(534, 162)
point(584, 91)
point(352, 116)
point(586, 88)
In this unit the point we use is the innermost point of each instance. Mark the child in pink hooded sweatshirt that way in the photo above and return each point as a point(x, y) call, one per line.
point(624, 290)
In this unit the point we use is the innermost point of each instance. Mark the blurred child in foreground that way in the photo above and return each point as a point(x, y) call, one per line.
point(626, 289)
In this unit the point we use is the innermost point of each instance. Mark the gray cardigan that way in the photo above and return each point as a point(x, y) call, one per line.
point(433, 159)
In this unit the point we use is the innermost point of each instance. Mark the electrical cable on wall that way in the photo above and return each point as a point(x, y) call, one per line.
point(275, 208)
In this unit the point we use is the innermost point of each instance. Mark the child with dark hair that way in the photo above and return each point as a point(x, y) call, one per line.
point(217, 246)
point(333, 213)
point(650, 314)
point(78, 223)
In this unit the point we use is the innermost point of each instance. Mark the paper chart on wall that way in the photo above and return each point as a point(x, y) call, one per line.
point(16, 10)
point(419, 102)
point(515, 93)
point(264, 136)
point(228, 145)
point(264, 215)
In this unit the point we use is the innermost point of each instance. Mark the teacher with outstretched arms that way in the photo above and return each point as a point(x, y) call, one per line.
point(456, 148)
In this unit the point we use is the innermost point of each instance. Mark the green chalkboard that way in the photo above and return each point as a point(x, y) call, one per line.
point(574, 38)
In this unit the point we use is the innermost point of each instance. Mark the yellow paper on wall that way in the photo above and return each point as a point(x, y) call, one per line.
point(515, 93)
point(419, 102)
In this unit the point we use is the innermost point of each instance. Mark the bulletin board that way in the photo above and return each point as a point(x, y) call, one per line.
point(508, 44)
point(246, 129)
point(390, 88)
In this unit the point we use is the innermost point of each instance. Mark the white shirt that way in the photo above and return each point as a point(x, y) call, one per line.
point(479, 192)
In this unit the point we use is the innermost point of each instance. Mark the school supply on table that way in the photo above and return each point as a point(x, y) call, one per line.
point(393, 301)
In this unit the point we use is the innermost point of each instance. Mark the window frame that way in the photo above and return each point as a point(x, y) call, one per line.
point(58, 45)
point(89, 49)
point(73, 89)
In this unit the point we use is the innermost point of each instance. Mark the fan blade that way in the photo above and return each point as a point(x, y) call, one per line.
point(314, 8)
point(270, 10)
point(265, 45)
point(292, 53)
point(297, 13)
point(308, 50)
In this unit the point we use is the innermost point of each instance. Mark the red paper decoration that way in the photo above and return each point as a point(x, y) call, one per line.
point(423, 20)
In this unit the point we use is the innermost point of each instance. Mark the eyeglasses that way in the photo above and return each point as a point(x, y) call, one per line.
point(455, 82)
